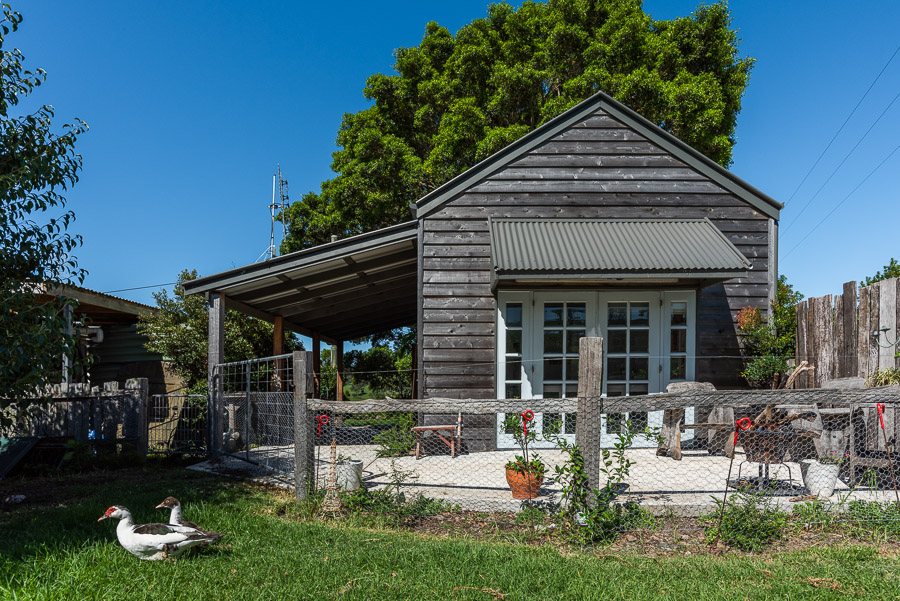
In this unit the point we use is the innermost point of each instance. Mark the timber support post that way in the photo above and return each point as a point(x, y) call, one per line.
point(216, 390)
point(590, 408)
point(304, 434)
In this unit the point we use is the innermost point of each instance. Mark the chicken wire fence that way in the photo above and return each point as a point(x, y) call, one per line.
point(639, 463)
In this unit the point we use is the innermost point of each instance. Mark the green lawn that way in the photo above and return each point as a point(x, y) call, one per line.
point(55, 549)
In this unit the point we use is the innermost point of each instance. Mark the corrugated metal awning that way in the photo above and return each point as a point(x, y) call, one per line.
point(342, 290)
point(617, 249)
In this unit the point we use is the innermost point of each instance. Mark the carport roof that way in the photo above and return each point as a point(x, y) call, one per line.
point(342, 290)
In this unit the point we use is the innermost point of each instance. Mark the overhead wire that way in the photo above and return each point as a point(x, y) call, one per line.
point(844, 160)
point(140, 287)
point(841, 128)
point(835, 208)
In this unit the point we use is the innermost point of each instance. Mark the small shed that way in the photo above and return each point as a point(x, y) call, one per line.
point(597, 223)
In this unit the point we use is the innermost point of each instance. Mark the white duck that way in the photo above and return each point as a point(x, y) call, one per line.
point(176, 517)
point(155, 541)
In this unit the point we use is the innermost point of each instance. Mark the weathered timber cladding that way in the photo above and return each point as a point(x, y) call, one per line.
point(598, 168)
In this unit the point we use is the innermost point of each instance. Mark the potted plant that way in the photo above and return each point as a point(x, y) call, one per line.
point(820, 477)
point(525, 472)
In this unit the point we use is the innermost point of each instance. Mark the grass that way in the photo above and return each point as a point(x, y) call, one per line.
point(55, 549)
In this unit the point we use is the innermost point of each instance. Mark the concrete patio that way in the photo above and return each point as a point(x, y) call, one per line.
point(476, 481)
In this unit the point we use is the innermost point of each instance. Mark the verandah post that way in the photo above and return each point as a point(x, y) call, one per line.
point(590, 407)
point(304, 435)
point(215, 356)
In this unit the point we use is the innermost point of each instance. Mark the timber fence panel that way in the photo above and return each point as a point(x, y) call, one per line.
point(846, 336)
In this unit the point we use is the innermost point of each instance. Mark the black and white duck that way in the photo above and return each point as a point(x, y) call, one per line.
point(155, 541)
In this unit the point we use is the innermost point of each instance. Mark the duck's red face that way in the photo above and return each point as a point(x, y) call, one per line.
point(110, 513)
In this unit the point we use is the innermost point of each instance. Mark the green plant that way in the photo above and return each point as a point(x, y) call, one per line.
point(874, 518)
point(397, 441)
point(750, 521)
point(768, 344)
point(593, 516)
point(816, 514)
point(523, 464)
point(834, 458)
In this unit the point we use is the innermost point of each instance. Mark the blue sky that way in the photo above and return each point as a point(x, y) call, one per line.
point(193, 104)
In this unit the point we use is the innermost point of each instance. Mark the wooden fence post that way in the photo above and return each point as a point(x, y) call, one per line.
point(590, 407)
point(304, 436)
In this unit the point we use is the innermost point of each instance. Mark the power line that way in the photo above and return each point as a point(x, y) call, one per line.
point(140, 287)
point(841, 128)
point(844, 160)
point(872, 172)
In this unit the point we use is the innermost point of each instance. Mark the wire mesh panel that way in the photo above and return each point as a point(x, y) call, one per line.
point(258, 411)
point(176, 424)
point(719, 460)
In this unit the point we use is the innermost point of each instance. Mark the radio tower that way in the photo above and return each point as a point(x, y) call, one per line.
point(280, 202)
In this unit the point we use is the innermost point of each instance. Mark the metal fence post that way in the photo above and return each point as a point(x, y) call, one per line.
point(247, 413)
point(304, 438)
point(590, 407)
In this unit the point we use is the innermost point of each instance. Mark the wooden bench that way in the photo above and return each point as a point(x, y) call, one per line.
point(452, 439)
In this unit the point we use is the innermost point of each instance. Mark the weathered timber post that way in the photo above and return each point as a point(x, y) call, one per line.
point(304, 436)
point(590, 407)
point(137, 393)
point(673, 419)
point(215, 356)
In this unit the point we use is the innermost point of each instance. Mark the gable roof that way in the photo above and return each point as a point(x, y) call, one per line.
point(764, 203)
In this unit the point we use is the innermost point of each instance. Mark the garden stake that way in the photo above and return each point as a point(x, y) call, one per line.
point(880, 407)
point(322, 419)
point(526, 417)
point(741, 424)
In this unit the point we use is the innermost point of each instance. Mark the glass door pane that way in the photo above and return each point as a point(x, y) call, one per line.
point(629, 323)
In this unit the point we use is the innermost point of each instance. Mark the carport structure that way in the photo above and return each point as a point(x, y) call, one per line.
point(333, 292)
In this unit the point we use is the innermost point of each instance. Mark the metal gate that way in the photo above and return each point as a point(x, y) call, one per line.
point(176, 424)
point(255, 403)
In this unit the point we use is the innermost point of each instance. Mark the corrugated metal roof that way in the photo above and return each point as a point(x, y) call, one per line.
point(613, 246)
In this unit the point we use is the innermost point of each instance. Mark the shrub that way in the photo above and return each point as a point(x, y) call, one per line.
point(884, 377)
point(750, 522)
point(397, 441)
point(767, 347)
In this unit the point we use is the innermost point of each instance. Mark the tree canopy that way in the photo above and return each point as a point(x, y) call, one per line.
point(179, 332)
point(457, 99)
point(37, 165)
point(891, 270)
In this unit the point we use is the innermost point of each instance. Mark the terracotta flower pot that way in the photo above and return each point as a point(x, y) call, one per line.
point(524, 485)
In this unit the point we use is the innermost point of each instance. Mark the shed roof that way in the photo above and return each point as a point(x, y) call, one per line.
point(613, 249)
point(695, 159)
point(342, 290)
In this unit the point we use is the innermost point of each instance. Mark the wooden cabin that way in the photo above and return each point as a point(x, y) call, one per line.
point(597, 223)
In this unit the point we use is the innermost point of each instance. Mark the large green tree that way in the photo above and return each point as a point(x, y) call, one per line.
point(455, 100)
point(179, 332)
point(37, 164)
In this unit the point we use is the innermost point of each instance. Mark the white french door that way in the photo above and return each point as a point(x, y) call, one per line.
point(649, 341)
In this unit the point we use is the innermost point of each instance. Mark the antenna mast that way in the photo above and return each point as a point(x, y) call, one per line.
point(280, 202)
